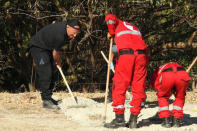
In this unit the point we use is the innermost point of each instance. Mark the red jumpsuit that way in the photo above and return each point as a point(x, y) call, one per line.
point(131, 68)
point(167, 79)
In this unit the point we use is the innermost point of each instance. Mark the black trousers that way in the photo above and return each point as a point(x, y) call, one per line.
point(44, 69)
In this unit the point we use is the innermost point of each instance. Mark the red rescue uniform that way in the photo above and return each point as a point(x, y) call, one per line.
point(169, 79)
point(131, 68)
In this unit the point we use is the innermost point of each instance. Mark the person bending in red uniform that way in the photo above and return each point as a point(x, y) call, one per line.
point(169, 79)
point(131, 69)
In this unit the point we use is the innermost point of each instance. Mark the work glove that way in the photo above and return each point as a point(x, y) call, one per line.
point(111, 66)
point(114, 49)
point(109, 36)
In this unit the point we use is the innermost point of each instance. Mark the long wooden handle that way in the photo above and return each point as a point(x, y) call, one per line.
point(106, 59)
point(107, 82)
point(191, 65)
point(68, 87)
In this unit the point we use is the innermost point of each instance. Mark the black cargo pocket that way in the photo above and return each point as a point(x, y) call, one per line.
point(41, 57)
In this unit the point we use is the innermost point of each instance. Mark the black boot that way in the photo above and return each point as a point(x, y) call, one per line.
point(132, 121)
point(56, 102)
point(50, 105)
point(117, 122)
point(166, 122)
point(176, 122)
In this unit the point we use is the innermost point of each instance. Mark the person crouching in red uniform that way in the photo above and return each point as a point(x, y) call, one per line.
point(169, 79)
point(131, 69)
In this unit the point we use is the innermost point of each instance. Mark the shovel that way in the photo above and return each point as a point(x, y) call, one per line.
point(189, 68)
point(106, 59)
point(70, 92)
point(107, 81)
point(68, 87)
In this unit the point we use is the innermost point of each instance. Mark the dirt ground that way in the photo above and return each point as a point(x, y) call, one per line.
point(24, 112)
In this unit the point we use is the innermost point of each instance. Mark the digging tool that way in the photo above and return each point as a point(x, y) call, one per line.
point(107, 82)
point(106, 59)
point(191, 65)
point(70, 92)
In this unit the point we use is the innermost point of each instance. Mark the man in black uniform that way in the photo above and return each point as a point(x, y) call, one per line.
point(45, 48)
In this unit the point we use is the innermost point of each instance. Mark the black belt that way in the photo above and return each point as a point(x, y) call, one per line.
point(170, 69)
point(130, 51)
point(180, 69)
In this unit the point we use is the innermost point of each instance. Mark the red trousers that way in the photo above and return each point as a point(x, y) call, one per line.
point(131, 69)
point(172, 82)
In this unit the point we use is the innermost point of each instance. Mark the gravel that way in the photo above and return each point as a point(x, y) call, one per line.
point(90, 113)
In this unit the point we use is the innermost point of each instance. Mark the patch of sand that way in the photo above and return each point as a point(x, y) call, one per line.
point(21, 112)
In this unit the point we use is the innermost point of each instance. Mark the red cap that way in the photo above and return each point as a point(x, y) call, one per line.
point(111, 27)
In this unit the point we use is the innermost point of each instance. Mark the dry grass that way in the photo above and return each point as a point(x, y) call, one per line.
point(33, 99)
point(30, 102)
